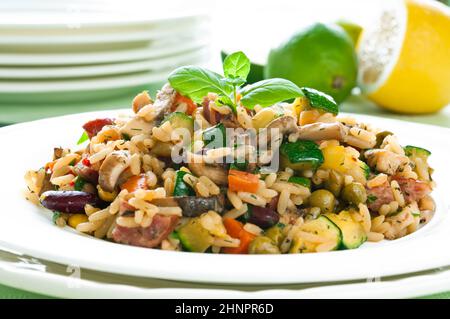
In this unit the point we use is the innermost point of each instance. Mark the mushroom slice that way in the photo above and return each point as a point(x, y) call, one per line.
point(111, 168)
point(164, 101)
point(135, 126)
point(193, 206)
point(287, 124)
point(322, 131)
point(214, 171)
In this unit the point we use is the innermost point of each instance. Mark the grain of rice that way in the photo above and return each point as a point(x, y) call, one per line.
point(215, 154)
point(135, 164)
point(146, 221)
point(235, 213)
point(283, 201)
point(89, 209)
point(226, 242)
point(421, 169)
point(99, 215)
point(151, 179)
point(364, 211)
point(308, 173)
point(97, 157)
point(378, 180)
point(66, 160)
point(138, 216)
point(253, 229)
point(102, 230)
point(374, 237)
point(168, 173)
point(397, 193)
point(189, 179)
point(210, 185)
point(202, 190)
point(391, 143)
point(382, 228)
point(270, 179)
point(170, 211)
point(127, 222)
point(267, 193)
point(294, 189)
point(347, 120)
point(251, 198)
point(161, 134)
point(86, 227)
point(169, 185)
point(243, 118)
point(62, 180)
point(111, 228)
point(377, 221)
point(234, 199)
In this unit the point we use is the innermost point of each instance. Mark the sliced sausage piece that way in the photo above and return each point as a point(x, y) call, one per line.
point(412, 190)
point(95, 126)
point(380, 195)
point(87, 173)
point(150, 236)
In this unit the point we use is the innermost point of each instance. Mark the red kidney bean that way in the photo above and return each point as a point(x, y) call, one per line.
point(71, 202)
point(262, 216)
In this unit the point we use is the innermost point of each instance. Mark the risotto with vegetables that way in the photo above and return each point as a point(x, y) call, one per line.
point(212, 165)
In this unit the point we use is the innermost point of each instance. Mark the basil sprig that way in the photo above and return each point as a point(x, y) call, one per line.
point(196, 82)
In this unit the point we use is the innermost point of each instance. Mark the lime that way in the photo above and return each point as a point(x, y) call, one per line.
point(352, 29)
point(320, 56)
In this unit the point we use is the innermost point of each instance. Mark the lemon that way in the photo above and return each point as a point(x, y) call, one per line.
point(320, 56)
point(404, 59)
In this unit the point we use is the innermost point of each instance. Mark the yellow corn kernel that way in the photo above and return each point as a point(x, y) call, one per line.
point(76, 219)
point(106, 196)
point(308, 117)
point(300, 104)
point(263, 118)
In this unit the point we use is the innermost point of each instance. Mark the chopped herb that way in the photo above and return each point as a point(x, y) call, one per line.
point(371, 198)
point(79, 184)
point(126, 136)
point(56, 216)
point(83, 138)
point(136, 129)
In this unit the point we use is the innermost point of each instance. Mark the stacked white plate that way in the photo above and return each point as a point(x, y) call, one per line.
point(54, 50)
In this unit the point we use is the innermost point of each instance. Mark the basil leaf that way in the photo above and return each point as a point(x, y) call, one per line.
point(269, 92)
point(236, 65)
point(195, 83)
point(83, 138)
point(320, 100)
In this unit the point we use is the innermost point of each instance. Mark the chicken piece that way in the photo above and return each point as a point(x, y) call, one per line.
point(385, 161)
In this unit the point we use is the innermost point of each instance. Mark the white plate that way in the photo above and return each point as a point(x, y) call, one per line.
point(28, 229)
point(92, 83)
point(52, 15)
point(152, 65)
point(88, 56)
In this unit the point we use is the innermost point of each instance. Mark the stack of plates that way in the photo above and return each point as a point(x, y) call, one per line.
point(58, 51)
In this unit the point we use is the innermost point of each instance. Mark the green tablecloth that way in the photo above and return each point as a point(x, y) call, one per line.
point(13, 114)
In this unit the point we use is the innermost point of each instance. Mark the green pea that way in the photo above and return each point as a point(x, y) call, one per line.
point(354, 193)
point(323, 199)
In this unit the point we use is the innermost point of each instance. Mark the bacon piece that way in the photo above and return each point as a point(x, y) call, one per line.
point(412, 190)
point(150, 236)
point(95, 126)
point(380, 195)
